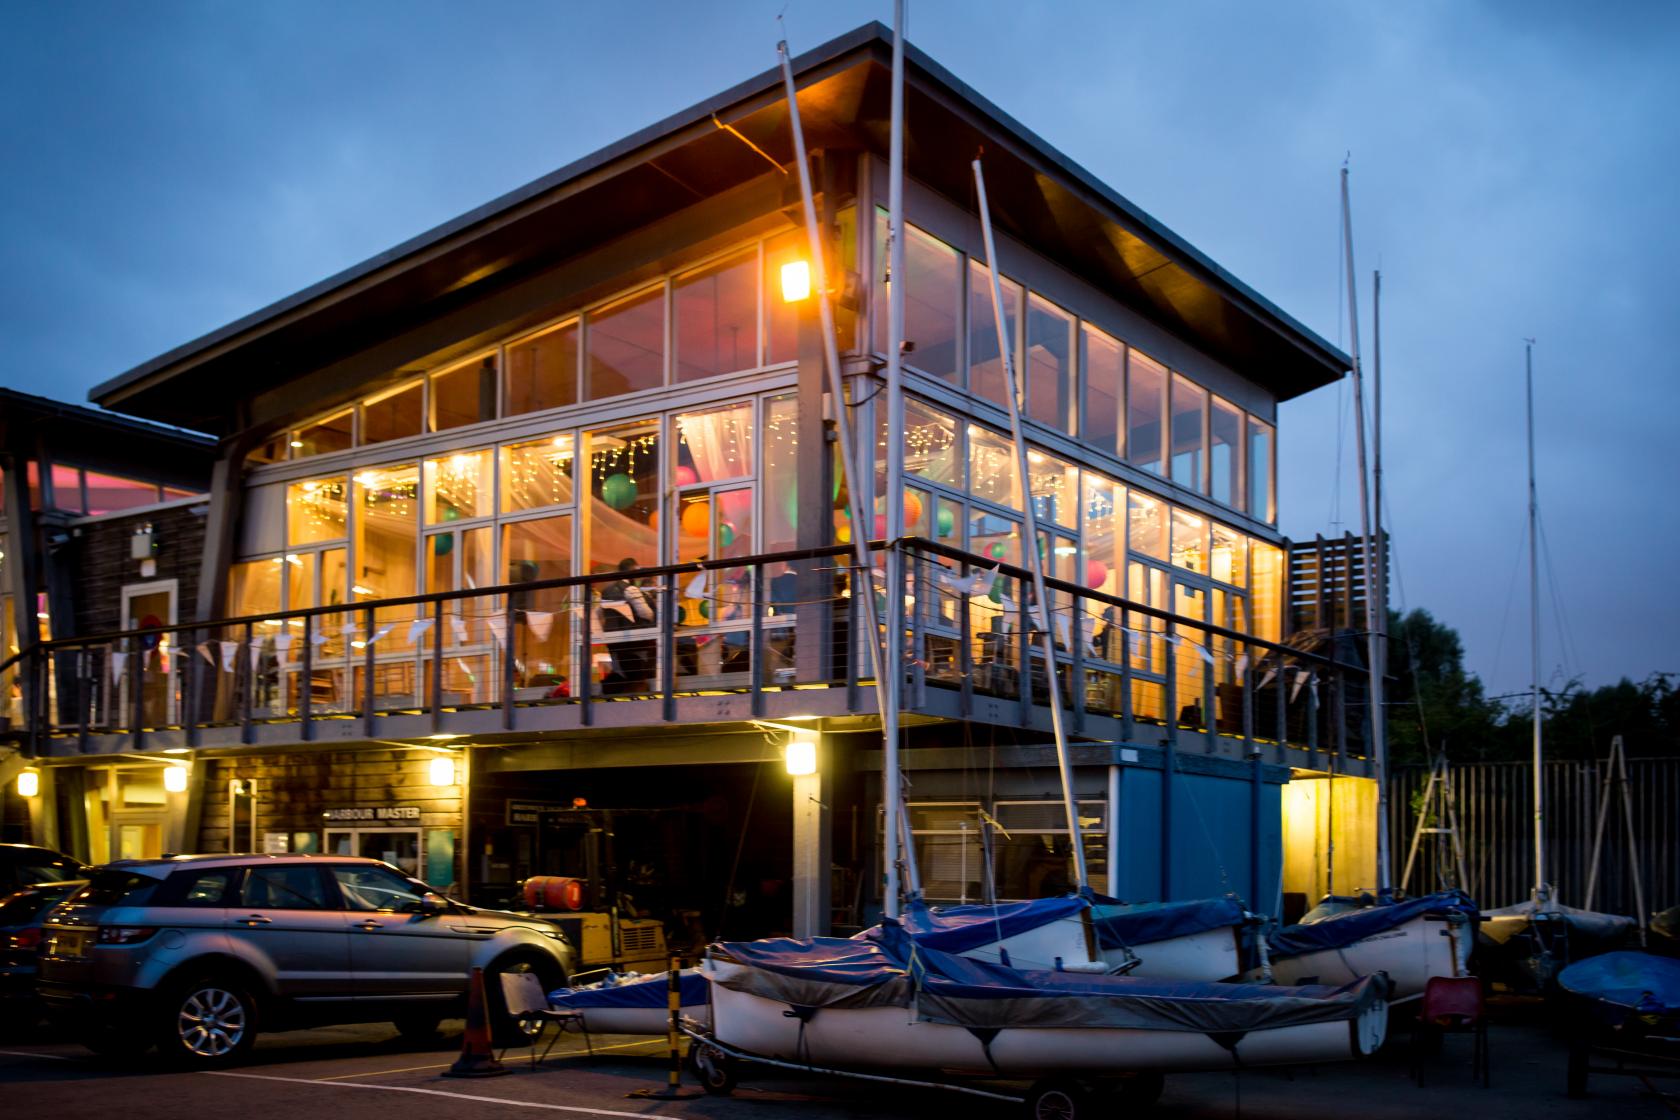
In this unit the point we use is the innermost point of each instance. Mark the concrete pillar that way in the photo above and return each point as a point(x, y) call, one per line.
point(813, 828)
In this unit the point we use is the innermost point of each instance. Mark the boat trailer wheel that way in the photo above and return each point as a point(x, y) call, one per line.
point(714, 1068)
point(1059, 1098)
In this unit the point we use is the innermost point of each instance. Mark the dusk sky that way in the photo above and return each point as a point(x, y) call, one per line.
point(173, 166)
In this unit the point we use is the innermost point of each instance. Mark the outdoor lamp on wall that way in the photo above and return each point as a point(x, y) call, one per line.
point(796, 281)
point(29, 783)
point(802, 754)
point(443, 770)
point(175, 779)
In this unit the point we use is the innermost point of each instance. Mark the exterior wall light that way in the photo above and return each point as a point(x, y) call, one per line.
point(802, 754)
point(29, 783)
point(796, 281)
point(175, 779)
point(443, 770)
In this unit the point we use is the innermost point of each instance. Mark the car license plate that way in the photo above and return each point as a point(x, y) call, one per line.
point(69, 943)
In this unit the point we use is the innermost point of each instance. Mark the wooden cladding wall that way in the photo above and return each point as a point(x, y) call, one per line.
point(99, 561)
point(295, 788)
point(1496, 823)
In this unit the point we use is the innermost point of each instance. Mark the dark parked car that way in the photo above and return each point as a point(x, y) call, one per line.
point(24, 865)
point(21, 916)
point(197, 954)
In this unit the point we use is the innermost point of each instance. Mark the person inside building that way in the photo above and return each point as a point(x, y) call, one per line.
point(626, 606)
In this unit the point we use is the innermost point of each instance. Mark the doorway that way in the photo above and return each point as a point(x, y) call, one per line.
point(399, 847)
point(147, 605)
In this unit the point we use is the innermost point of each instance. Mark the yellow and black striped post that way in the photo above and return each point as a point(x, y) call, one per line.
point(673, 1038)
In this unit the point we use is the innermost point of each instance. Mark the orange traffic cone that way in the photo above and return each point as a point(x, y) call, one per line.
point(478, 1055)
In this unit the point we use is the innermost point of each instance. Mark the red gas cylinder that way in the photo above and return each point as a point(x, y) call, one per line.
point(554, 892)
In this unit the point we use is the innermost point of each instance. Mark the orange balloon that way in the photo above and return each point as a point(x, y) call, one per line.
point(912, 508)
point(697, 519)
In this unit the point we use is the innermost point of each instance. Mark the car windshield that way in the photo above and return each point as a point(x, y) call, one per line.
point(25, 906)
point(44, 867)
point(117, 888)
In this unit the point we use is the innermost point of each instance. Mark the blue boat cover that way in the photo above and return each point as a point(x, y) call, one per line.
point(1625, 978)
point(887, 967)
point(645, 991)
point(1120, 924)
point(957, 929)
point(1343, 929)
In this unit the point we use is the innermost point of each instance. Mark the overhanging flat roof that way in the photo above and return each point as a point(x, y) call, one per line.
point(1039, 195)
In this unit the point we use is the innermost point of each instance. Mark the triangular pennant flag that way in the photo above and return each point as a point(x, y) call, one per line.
point(229, 651)
point(1301, 676)
point(498, 628)
point(349, 629)
point(318, 637)
point(283, 650)
point(1203, 650)
point(459, 626)
point(696, 588)
point(204, 652)
point(380, 633)
point(1063, 629)
point(619, 607)
point(541, 623)
point(119, 661)
point(1242, 664)
point(417, 628)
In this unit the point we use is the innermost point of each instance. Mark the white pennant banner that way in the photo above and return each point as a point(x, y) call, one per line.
point(498, 628)
point(417, 628)
point(229, 651)
point(204, 651)
point(318, 637)
point(541, 624)
point(118, 662)
point(1301, 676)
point(283, 650)
point(459, 626)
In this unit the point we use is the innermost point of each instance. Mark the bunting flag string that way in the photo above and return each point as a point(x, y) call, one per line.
point(283, 650)
point(696, 588)
point(417, 629)
point(459, 626)
point(204, 651)
point(229, 651)
point(498, 628)
point(380, 633)
point(318, 637)
point(541, 624)
point(1301, 676)
point(118, 662)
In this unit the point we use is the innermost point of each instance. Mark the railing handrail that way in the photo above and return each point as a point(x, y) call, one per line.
point(671, 570)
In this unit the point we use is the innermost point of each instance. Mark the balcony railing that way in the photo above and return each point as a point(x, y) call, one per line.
point(748, 629)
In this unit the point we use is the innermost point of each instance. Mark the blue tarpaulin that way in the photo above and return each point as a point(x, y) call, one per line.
point(886, 966)
point(957, 929)
point(1138, 923)
point(1339, 930)
point(646, 991)
point(1625, 979)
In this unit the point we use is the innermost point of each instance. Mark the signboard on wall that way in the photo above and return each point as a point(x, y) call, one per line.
point(353, 814)
point(276, 843)
point(530, 812)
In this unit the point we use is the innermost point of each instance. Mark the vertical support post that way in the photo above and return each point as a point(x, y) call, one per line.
point(1534, 638)
point(306, 681)
point(1169, 763)
point(1128, 710)
point(811, 843)
point(437, 664)
point(755, 640)
point(367, 671)
point(1113, 884)
point(586, 656)
point(965, 654)
point(248, 665)
point(668, 648)
point(509, 704)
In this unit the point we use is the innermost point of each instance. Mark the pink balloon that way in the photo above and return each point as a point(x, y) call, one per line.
point(686, 476)
point(880, 526)
point(1096, 573)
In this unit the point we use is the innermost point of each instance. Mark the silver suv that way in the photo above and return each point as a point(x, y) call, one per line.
point(198, 953)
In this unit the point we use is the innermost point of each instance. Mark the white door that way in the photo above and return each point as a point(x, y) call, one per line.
point(146, 605)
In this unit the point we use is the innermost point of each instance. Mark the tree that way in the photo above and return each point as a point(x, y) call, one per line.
point(1432, 700)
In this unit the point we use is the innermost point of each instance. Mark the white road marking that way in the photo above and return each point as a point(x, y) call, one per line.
point(34, 1054)
point(517, 1058)
point(430, 1093)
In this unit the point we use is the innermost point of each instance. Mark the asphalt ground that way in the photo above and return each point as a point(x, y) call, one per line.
point(348, 1073)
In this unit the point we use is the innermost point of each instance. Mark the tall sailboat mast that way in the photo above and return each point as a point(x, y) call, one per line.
point(1379, 745)
point(857, 484)
point(1534, 637)
point(1035, 559)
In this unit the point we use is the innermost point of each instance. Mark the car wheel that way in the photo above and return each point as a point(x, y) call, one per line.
point(419, 1028)
point(505, 1029)
point(209, 1021)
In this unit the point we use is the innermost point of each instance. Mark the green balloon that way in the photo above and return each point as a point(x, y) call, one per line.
point(726, 534)
point(705, 608)
point(790, 505)
point(997, 551)
point(443, 543)
point(947, 521)
point(618, 491)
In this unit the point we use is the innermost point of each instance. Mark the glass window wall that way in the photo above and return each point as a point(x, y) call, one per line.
point(1103, 360)
point(932, 300)
point(1261, 502)
point(458, 486)
point(542, 370)
point(986, 377)
point(464, 394)
point(1225, 453)
point(1189, 417)
point(395, 415)
point(1049, 366)
point(537, 473)
point(626, 345)
point(716, 317)
point(1146, 406)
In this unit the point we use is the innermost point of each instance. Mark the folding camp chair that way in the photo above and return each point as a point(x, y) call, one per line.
point(527, 1003)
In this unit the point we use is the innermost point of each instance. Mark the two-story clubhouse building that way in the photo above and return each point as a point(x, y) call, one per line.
point(544, 507)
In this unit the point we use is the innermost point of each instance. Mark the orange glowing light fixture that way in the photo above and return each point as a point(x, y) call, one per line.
point(796, 281)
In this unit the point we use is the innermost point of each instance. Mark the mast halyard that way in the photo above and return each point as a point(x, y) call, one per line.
point(1035, 562)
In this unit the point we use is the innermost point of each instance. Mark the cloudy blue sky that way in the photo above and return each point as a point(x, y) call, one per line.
point(172, 166)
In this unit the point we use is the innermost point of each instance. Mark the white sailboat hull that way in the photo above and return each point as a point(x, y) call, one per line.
point(1410, 954)
point(1211, 954)
point(891, 1038)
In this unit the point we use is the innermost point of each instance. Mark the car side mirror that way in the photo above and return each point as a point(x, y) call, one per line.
point(432, 904)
